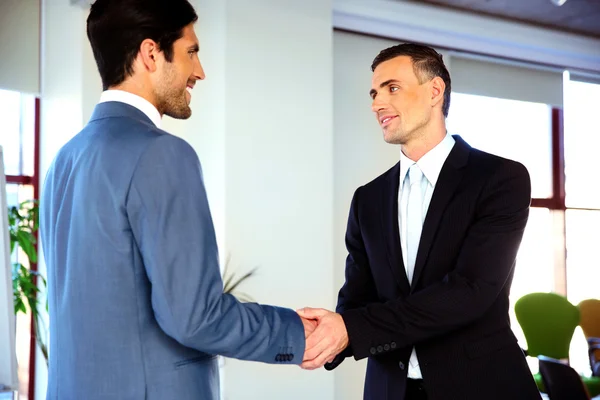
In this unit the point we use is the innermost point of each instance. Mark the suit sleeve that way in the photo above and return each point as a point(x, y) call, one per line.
point(359, 288)
point(485, 262)
point(170, 218)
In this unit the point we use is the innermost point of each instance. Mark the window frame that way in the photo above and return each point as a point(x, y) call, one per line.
point(34, 181)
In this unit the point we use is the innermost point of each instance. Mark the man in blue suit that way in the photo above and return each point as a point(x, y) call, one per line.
point(137, 309)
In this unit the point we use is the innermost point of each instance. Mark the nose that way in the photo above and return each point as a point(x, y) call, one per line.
point(199, 71)
point(377, 105)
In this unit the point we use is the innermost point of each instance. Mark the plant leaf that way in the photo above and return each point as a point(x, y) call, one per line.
point(27, 243)
point(242, 279)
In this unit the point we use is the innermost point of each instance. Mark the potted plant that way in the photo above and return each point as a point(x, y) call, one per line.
point(23, 224)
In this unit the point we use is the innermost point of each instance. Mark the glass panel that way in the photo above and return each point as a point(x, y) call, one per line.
point(512, 129)
point(28, 134)
point(17, 132)
point(15, 195)
point(583, 273)
point(582, 140)
point(534, 269)
point(10, 139)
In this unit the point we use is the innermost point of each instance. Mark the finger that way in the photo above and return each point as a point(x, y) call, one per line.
point(318, 362)
point(316, 343)
point(309, 326)
point(316, 351)
point(312, 313)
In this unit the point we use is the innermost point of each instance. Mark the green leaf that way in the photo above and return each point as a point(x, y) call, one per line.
point(20, 306)
point(241, 280)
point(27, 244)
point(23, 224)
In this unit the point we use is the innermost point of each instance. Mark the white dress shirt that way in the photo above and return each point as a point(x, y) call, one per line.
point(431, 166)
point(135, 101)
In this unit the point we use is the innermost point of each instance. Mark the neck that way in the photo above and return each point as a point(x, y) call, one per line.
point(137, 88)
point(429, 137)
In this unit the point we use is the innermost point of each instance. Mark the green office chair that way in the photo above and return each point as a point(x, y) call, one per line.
point(589, 321)
point(548, 321)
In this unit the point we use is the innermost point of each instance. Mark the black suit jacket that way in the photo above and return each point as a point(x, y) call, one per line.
point(455, 311)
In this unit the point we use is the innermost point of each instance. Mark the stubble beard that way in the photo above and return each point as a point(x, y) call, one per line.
point(171, 100)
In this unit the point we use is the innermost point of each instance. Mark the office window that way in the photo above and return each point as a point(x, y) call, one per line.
point(18, 137)
point(582, 202)
point(513, 129)
point(582, 142)
point(520, 131)
point(559, 251)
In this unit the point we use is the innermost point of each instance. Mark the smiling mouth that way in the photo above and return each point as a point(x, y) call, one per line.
point(387, 120)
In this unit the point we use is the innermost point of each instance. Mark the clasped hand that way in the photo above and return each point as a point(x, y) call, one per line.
point(326, 336)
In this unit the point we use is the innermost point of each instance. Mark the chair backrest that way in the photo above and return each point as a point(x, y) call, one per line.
point(590, 324)
point(561, 381)
point(590, 317)
point(548, 321)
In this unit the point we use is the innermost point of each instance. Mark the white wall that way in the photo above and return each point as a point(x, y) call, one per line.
point(20, 45)
point(263, 128)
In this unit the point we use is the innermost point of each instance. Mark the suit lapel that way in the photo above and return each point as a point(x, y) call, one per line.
point(450, 176)
point(389, 221)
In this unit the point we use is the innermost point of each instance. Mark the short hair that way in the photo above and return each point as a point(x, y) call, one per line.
point(427, 64)
point(117, 28)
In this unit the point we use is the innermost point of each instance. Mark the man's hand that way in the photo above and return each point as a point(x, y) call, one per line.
point(328, 340)
point(309, 326)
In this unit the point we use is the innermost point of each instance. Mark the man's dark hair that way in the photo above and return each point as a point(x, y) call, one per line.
point(427, 64)
point(117, 28)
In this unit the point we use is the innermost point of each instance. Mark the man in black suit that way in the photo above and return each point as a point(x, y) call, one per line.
point(432, 245)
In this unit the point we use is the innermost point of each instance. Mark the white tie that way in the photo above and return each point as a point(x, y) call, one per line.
point(414, 219)
point(414, 225)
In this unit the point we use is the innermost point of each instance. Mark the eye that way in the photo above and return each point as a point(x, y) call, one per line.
point(394, 88)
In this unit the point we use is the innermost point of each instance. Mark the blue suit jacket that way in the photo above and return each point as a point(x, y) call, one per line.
point(137, 309)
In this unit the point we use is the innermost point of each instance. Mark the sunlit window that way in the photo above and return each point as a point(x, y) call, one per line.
point(582, 165)
point(17, 138)
point(512, 129)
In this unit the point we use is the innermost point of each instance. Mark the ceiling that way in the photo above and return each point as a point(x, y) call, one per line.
point(576, 16)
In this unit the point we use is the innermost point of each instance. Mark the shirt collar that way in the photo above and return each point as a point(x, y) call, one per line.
point(135, 101)
point(431, 163)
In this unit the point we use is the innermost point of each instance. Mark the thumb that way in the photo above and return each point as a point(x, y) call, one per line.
point(312, 313)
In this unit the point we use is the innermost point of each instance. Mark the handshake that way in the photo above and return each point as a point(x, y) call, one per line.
point(326, 336)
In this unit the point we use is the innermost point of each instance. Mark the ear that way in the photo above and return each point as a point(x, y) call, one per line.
point(148, 55)
point(437, 91)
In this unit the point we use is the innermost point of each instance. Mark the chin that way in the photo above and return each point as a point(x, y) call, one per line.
point(392, 138)
point(180, 113)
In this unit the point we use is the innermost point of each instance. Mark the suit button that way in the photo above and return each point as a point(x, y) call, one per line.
point(278, 357)
point(401, 365)
point(373, 350)
point(379, 349)
point(291, 357)
point(386, 347)
point(393, 345)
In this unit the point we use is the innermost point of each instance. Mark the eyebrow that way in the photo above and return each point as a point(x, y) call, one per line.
point(373, 92)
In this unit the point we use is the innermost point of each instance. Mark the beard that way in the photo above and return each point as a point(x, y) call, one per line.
point(175, 105)
point(171, 98)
